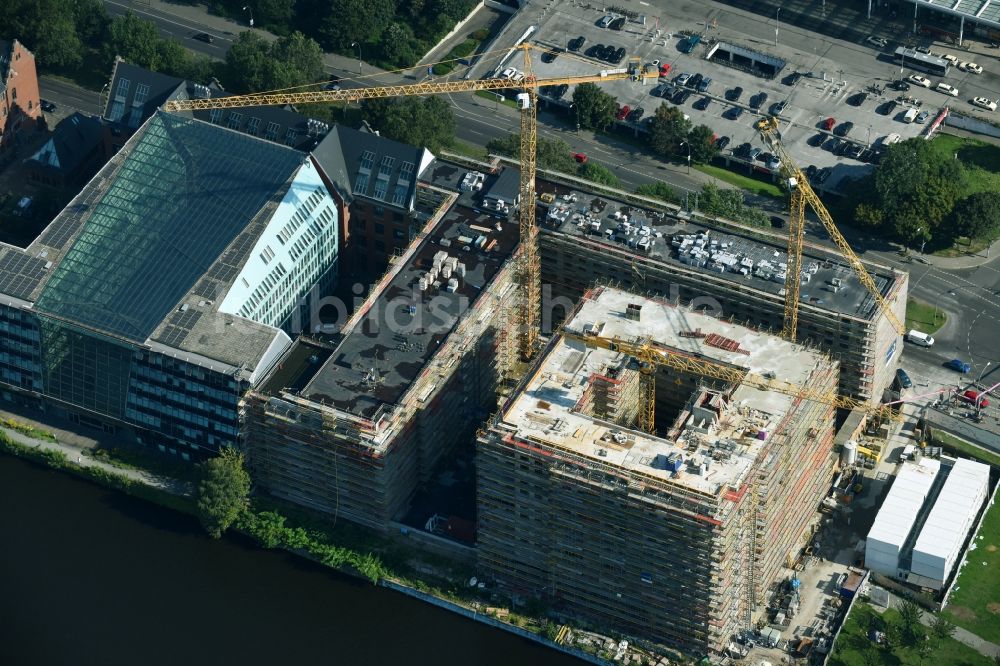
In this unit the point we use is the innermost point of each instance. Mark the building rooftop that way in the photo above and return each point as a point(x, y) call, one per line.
point(619, 227)
point(73, 140)
point(166, 224)
point(959, 501)
point(547, 407)
point(902, 505)
point(382, 354)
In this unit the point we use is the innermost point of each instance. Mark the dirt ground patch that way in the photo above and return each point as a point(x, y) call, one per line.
point(991, 548)
point(993, 607)
point(962, 613)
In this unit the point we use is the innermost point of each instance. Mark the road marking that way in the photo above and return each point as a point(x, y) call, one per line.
point(197, 28)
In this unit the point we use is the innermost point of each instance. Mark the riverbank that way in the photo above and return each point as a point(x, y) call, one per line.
point(343, 548)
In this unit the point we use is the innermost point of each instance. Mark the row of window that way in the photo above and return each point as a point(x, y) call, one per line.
point(253, 126)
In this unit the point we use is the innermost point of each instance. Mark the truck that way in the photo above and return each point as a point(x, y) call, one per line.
point(910, 116)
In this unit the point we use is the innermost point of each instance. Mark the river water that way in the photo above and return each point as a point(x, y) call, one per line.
point(89, 576)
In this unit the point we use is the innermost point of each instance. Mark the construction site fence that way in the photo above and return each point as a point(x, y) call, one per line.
point(473, 614)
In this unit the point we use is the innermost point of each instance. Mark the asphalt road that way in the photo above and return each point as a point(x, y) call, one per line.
point(68, 97)
point(175, 26)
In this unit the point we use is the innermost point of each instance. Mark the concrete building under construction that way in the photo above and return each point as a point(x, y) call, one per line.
point(353, 427)
point(677, 536)
point(736, 273)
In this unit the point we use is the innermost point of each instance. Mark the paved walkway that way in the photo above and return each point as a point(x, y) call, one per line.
point(82, 458)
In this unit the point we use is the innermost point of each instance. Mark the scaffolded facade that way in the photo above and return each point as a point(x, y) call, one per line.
point(676, 537)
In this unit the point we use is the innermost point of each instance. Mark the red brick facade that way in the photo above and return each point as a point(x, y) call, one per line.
point(20, 104)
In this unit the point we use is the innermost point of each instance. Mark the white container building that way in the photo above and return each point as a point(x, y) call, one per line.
point(898, 513)
point(940, 542)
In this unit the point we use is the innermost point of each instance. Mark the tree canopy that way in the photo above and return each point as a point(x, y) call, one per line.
point(667, 130)
point(417, 121)
point(254, 64)
point(658, 190)
point(600, 174)
point(730, 204)
point(978, 216)
point(552, 154)
point(595, 108)
point(223, 492)
point(54, 29)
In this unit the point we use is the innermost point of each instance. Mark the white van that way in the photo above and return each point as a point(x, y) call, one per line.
point(910, 116)
point(918, 338)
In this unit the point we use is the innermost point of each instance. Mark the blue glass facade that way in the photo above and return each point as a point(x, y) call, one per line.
point(191, 405)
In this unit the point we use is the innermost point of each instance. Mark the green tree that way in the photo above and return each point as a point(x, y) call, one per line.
point(909, 616)
point(668, 129)
point(941, 628)
point(552, 154)
point(254, 65)
point(275, 13)
point(731, 205)
point(91, 20)
point(978, 216)
point(599, 174)
point(702, 140)
point(223, 492)
point(135, 40)
point(339, 23)
point(594, 107)
point(869, 216)
point(424, 122)
point(397, 44)
point(659, 190)
point(925, 649)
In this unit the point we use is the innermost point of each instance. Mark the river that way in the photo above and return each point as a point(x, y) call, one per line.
point(90, 576)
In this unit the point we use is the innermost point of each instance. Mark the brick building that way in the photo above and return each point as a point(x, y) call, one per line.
point(20, 106)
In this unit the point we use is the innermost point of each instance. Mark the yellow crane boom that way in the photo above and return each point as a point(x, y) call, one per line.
point(651, 355)
point(802, 194)
point(528, 271)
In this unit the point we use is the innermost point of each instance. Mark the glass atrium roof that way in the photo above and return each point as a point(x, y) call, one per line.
point(184, 192)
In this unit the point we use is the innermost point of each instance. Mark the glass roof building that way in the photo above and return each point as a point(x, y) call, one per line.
point(170, 284)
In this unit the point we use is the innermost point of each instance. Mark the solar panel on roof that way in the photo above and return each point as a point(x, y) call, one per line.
point(20, 273)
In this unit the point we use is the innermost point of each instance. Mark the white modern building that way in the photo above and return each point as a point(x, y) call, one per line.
point(898, 514)
point(940, 542)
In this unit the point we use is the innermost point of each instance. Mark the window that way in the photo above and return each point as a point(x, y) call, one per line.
point(380, 229)
point(272, 132)
point(135, 117)
point(235, 119)
point(367, 159)
point(253, 126)
point(361, 184)
point(385, 169)
point(378, 211)
point(121, 92)
point(406, 172)
point(291, 136)
point(141, 93)
point(215, 116)
point(399, 194)
point(381, 185)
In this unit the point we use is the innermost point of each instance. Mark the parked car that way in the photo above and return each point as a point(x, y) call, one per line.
point(577, 43)
point(581, 158)
point(947, 89)
point(619, 55)
point(636, 114)
point(742, 150)
point(828, 124)
point(758, 100)
point(683, 79)
point(721, 142)
point(704, 84)
point(879, 42)
point(508, 73)
point(681, 96)
point(887, 108)
point(981, 102)
point(752, 155)
point(778, 107)
point(903, 379)
point(854, 151)
point(792, 79)
point(817, 140)
point(695, 81)
point(551, 55)
point(702, 103)
point(595, 51)
point(623, 112)
point(844, 129)
point(734, 112)
point(918, 80)
point(734, 94)
point(857, 99)
point(970, 67)
point(617, 24)
point(823, 174)
point(609, 53)
point(959, 365)
point(605, 20)
point(811, 171)
point(976, 397)
point(952, 59)
point(687, 45)
point(842, 148)
point(900, 85)
point(920, 338)
point(47, 106)
point(922, 117)
point(664, 70)
point(890, 139)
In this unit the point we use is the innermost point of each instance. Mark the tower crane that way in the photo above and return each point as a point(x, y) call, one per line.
point(528, 269)
point(651, 355)
point(803, 194)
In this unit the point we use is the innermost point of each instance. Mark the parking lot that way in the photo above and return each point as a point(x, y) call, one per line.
point(824, 90)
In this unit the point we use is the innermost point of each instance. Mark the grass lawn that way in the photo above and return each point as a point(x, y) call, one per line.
point(853, 643)
point(981, 160)
point(962, 247)
point(923, 316)
point(486, 94)
point(955, 445)
point(753, 185)
point(468, 149)
point(976, 603)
